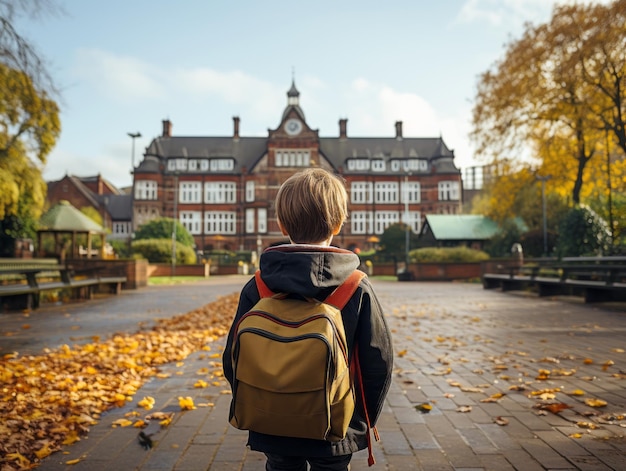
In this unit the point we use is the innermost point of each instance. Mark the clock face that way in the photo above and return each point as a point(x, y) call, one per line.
point(293, 127)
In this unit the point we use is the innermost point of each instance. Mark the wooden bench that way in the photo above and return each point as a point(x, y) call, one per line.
point(22, 282)
point(596, 279)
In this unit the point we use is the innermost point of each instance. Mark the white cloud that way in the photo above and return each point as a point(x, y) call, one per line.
point(118, 77)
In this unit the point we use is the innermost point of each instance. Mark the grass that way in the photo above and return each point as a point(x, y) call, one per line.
point(176, 280)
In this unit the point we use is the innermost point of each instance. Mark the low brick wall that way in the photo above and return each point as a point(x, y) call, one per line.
point(135, 271)
point(431, 271)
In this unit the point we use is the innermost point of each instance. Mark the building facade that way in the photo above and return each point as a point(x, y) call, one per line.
point(222, 189)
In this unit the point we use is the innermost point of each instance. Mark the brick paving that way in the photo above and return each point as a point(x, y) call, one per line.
point(456, 346)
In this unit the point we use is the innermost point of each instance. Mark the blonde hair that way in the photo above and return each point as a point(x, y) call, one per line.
point(311, 205)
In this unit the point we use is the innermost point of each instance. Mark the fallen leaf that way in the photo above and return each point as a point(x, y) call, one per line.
point(501, 421)
point(595, 402)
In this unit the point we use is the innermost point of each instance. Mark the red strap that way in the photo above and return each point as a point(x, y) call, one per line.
point(264, 291)
point(357, 366)
point(342, 294)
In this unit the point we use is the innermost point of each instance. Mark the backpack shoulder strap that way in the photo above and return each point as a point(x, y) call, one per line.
point(264, 291)
point(342, 294)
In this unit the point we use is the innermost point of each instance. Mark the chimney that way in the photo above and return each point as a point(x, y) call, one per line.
point(236, 127)
point(100, 185)
point(167, 128)
point(343, 128)
point(398, 129)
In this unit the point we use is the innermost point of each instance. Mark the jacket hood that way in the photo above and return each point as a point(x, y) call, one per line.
point(306, 270)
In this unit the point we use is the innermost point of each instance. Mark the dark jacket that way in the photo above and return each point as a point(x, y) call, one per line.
point(314, 271)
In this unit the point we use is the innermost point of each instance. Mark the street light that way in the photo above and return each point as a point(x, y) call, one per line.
point(173, 273)
point(133, 136)
point(406, 221)
point(543, 181)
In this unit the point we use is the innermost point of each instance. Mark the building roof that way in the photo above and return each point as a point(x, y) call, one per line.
point(247, 152)
point(63, 217)
point(460, 227)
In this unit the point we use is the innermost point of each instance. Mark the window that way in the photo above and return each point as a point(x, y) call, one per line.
point(146, 190)
point(358, 164)
point(120, 228)
point(361, 222)
point(181, 164)
point(171, 164)
point(361, 192)
point(448, 190)
point(250, 220)
point(219, 222)
point(384, 219)
point(378, 165)
point(219, 192)
point(250, 191)
point(409, 165)
point(192, 220)
point(412, 190)
point(386, 192)
point(221, 165)
point(204, 165)
point(262, 215)
point(292, 158)
point(190, 192)
point(414, 220)
point(193, 165)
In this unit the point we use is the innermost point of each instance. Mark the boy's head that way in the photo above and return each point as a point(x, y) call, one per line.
point(311, 206)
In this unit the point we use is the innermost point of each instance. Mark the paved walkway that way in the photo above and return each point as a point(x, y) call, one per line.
point(456, 345)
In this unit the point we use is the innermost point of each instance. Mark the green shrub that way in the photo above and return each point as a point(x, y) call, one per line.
point(447, 254)
point(583, 232)
point(160, 251)
point(162, 228)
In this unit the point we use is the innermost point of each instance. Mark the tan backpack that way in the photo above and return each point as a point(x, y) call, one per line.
point(290, 366)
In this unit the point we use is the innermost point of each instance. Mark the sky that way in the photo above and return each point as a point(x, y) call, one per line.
point(125, 66)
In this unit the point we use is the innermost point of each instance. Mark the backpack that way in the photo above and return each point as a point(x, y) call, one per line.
point(290, 365)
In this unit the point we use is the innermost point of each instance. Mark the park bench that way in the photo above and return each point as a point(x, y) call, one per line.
point(23, 281)
point(596, 279)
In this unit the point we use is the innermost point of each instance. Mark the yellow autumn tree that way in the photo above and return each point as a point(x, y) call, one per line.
point(538, 103)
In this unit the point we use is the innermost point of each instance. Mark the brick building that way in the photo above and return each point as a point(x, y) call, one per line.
point(113, 205)
point(222, 188)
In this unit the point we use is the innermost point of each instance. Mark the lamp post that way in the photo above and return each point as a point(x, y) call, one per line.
point(173, 273)
point(543, 181)
point(406, 221)
point(608, 183)
point(133, 136)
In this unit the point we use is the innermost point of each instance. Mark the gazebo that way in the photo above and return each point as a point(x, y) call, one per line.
point(63, 218)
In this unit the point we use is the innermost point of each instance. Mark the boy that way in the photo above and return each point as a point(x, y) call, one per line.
point(311, 207)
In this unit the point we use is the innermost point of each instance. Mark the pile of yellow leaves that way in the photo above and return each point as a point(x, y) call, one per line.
point(52, 399)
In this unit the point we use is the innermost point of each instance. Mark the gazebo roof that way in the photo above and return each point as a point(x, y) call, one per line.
point(63, 217)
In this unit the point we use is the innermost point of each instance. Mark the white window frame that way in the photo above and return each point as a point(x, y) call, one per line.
point(121, 227)
point(292, 158)
point(414, 220)
point(386, 193)
point(221, 165)
point(378, 165)
point(181, 164)
point(220, 222)
point(384, 219)
point(193, 165)
point(262, 220)
point(361, 222)
point(361, 192)
point(220, 192)
point(146, 190)
point(413, 190)
point(449, 190)
point(250, 213)
point(250, 186)
point(204, 165)
point(190, 192)
point(192, 220)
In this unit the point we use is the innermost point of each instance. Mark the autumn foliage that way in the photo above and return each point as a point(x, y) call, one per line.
point(52, 399)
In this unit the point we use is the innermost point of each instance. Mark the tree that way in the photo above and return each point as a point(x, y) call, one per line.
point(393, 240)
point(583, 232)
point(29, 124)
point(29, 128)
point(540, 97)
point(161, 228)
